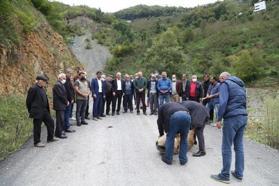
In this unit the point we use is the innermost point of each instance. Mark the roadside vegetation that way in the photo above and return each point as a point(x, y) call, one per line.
point(15, 125)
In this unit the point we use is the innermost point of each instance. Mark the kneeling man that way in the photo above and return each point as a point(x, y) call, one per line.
point(174, 118)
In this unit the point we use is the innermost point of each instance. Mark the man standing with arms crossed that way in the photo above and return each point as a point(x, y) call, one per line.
point(232, 109)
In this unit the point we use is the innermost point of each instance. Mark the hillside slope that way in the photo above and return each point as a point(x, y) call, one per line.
point(24, 53)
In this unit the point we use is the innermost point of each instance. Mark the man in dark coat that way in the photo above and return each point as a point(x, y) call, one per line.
point(38, 109)
point(174, 118)
point(200, 116)
point(117, 92)
point(70, 96)
point(60, 102)
point(99, 93)
point(128, 94)
point(109, 96)
point(194, 90)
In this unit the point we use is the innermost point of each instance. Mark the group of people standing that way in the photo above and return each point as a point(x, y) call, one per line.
point(180, 105)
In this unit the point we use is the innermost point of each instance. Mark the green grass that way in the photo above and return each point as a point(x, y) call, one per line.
point(15, 126)
point(265, 128)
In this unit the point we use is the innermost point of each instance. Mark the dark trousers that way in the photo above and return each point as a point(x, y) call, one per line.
point(48, 121)
point(97, 105)
point(194, 99)
point(71, 109)
point(128, 102)
point(153, 99)
point(87, 108)
point(179, 123)
point(80, 112)
point(117, 98)
point(67, 117)
point(59, 122)
point(103, 107)
point(141, 97)
point(200, 136)
point(108, 103)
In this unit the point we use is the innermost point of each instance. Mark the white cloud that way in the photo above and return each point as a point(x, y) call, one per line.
point(113, 6)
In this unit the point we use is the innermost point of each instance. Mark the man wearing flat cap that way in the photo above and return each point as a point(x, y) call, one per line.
point(38, 108)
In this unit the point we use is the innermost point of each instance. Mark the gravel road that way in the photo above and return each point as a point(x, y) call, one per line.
point(120, 150)
point(94, 58)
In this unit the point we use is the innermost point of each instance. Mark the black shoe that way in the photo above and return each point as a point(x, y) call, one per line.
point(70, 131)
point(62, 137)
point(237, 177)
point(87, 118)
point(195, 142)
point(155, 113)
point(78, 125)
point(151, 113)
point(166, 161)
point(117, 113)
point(52, 140)
point(144, 113)
point(220, 179)
point(84, 123)
point(199, 154)
point(103, 116)
point(113, 114)
point(138, 113)
point(182, 162)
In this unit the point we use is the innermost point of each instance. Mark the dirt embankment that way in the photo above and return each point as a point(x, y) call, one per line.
point(41, 51)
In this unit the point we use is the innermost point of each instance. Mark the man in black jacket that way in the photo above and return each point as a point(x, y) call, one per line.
point(70, 96)
point(38, 109)
point(199, 115)
point(60, 102)
point(174, 118)
point(117, 92)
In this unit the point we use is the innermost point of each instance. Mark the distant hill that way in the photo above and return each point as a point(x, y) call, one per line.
point(144, 11)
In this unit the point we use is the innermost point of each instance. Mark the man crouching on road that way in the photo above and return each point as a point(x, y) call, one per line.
point(173, 118)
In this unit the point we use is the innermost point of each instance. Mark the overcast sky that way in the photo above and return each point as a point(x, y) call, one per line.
point(113, 6)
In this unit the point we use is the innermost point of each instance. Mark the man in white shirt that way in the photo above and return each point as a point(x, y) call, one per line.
point(117, 92)
point(98, 92)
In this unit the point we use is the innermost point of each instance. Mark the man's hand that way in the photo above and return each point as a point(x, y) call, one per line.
point(94, 96)
point(113, 93)
point(218, 124)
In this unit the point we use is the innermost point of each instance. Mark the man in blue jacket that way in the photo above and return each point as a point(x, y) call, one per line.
point(164, 88)
point(98, 92)
point(232, 109)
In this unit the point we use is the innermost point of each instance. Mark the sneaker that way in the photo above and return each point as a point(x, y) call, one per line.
point(237, 177)
point(220, 179)
point(40, 145)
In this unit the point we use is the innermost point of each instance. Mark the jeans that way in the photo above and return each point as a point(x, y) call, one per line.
point(233, 131)
point(179, 123)
point(67, 117)
point(153, 102)
point(128, 102)
point(164, 98)
point(211, 106)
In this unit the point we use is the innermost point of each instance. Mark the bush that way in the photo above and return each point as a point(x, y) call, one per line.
point(15, 126)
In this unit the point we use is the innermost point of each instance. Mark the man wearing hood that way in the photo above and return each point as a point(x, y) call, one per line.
point(232, 108)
